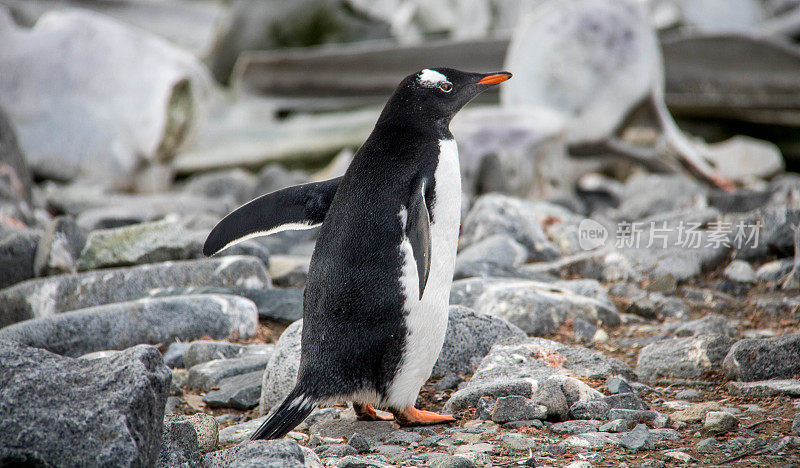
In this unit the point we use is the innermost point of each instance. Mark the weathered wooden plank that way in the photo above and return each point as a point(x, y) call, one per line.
point(733, 76)
point(369, 71)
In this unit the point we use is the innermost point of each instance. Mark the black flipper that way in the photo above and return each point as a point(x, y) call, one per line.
point(298, 207)
point(294, 409)
point(418, 230)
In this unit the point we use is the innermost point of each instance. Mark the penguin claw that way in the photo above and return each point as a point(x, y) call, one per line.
point(369, 413)
point(412, 416)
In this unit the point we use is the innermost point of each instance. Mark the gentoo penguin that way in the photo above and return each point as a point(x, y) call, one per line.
point(376, 297)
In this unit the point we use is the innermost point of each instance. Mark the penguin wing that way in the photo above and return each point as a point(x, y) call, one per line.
point(418, 231)
point(298, 207)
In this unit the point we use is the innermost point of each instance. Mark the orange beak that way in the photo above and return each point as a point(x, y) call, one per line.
point(495, 79)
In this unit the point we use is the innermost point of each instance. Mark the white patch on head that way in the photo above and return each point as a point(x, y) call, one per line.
point(431, 78)
point(426, 318)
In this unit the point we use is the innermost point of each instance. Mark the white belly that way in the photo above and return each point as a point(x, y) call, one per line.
point(426, 319)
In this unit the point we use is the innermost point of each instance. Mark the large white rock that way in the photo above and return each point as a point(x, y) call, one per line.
point(89, 92)
point(590, 60)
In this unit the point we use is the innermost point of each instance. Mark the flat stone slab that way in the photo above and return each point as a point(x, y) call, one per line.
point(48, 296)
point(207, 375)
point(239, 392)
point(146, 321)
point(766, 388)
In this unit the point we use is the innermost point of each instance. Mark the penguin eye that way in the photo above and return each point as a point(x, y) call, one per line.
point(446, 86)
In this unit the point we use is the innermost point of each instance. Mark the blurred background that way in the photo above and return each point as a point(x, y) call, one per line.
point(136, 94)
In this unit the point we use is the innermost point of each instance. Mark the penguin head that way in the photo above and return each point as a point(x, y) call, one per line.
point(439, 93)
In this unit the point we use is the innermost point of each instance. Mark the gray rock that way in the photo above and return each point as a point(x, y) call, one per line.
point(280, 374)
point(47, 296)
point(583, 330)
point(499, 249)
point(636, 416)
point(711, 324)
point(629, 401)
point(762, 359)
point(557, 395)
point(740, 272)
point(796, 424)
point(689, 394)
point(766, 388)
point(468, 339)
point(361, 462)
point(373, 431)
point(200, 351)
point(114, 417)
point(402, 437)
point(283, 453)
point(470, 396)
point(617, 384)
point(335, 450)
point(541, 308)
point(682, 357)
point(17, 254)
point(591, 409)
point(521, 220)
point(238, 392)
point(179, 446)
point(173, 357)
point(719, 422)
point(708, 445)
point(153, 242)
point(358, 442)
point(456, 461)
point(282, 305)
point(664, 434)
point(517, 408)
point(614, 426)
point(695, 413)
point(637, 439)
point(236, 183)
point(289, 271)
point(119, 326)
point(205, 426)
point(575, 427)
point(129, 113)
point(651, 194)
point(59, 247)
point(238, 433)
point(210, 374)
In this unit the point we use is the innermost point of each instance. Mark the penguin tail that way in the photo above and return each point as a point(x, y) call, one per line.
point(294, 409)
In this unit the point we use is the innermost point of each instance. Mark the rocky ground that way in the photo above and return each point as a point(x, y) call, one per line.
point(554, 356)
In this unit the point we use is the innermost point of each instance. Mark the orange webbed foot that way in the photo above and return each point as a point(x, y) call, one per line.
point(412, 416)
point(368, 412)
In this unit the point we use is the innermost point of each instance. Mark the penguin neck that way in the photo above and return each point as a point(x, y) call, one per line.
point(413, 120)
